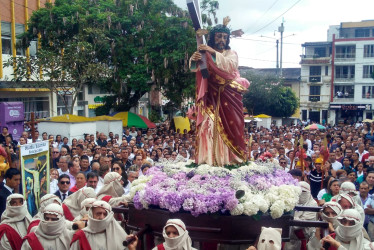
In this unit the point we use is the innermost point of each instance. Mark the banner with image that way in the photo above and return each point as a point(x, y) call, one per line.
point(35, 173)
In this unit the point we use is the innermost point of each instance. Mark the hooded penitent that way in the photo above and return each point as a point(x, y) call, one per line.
point(270, 239)
point(181, 242)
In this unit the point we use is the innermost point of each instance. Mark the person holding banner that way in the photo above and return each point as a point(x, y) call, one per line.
point(14, 223)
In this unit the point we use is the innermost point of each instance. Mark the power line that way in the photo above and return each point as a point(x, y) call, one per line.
point(265, 41)
point(276, 18)
point(256, 59)
point(266, 12)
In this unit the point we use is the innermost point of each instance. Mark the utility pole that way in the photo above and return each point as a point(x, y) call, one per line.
point(277, 56)
point(281, 30)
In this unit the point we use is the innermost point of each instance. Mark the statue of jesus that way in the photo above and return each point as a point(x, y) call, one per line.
point(220, 122)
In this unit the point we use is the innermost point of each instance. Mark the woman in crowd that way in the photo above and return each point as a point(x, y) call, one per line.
point(333, 189)
point(80, 182)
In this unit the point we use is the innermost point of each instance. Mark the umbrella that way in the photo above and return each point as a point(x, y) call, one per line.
point(130, 119)
point(181, 123)
point(315, 126)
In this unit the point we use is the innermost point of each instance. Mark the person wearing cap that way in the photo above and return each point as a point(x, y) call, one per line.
point(44, 201)
point(112, 191)
point(300, 235)
point(72, 205)
point(348, 234)
point(51, 233)
point(315, 177)
point(102, 231)
point(14, 222)
point(176, 236)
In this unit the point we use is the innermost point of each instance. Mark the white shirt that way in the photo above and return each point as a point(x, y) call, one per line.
point(60, 172)
point(360, 155)
point(53, 186)
point(336, 165)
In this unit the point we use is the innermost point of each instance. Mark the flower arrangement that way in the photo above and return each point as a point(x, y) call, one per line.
point(250, 189)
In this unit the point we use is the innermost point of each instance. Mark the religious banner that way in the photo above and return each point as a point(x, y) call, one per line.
point(35, 173)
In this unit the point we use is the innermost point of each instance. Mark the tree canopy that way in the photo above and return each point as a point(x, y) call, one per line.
point(137, 44)
point(267, 95)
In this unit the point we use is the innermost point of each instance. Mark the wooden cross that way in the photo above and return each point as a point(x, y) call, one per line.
point(194, 10)
point(32, 124)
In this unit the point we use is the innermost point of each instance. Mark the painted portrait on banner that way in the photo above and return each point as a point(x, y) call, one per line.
point(35, 173)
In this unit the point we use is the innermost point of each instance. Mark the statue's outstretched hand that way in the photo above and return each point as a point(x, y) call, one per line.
point(196, 56)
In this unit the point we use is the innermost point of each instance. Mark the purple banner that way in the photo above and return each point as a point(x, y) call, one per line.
point(12, 116)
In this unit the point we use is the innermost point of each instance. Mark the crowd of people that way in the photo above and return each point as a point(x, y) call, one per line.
point(90, 175)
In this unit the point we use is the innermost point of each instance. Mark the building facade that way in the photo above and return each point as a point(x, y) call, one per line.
point(337, 75)
point(42, 101)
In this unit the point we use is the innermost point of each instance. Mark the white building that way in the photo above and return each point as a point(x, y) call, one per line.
point(337, 75)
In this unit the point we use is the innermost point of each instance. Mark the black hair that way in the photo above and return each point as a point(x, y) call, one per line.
point(80, 146)
point(84, 157)
point(211, 41)
point(70, 164)
point(11, 172)
point(92, 175)
point(63, 176)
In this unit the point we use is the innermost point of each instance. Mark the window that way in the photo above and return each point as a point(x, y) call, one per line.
point(326, 70)
point(345, 52)
point(5, 38)
point(368, 71)
point(315, 74)
point(362, 32)
point(320, 52)
point(344, 91)
point(369, 50)
point(315, 93)
point(345, 72)
point(367, 92)
point(61, 110)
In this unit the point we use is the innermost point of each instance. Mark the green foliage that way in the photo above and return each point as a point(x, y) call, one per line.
point(154, 116)
point(266, 95)
point(143, 43)
point(209, 11)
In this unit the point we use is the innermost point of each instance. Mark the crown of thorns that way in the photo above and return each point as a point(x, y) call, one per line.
point(220, 29)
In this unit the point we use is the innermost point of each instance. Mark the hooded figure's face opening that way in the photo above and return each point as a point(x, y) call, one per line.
point(171, 232)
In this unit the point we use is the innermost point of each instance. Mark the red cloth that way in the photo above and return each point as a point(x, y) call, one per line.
point(106, 198)
point(333, 235)
point(230, 106)
point(14, 238)
point(33, 223)
point(74, 189)
point(83, 242)
point(33, 241)
point(300, 235)
point(160, 247)
point(67, 213)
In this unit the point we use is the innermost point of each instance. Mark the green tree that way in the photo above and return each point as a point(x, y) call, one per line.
point(267, 95)
point(144, 43)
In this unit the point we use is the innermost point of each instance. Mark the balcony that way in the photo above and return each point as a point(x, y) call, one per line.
point(345, 57)
point(349, 99)
point(314, 78)
point(310, 59)
point(344, 78)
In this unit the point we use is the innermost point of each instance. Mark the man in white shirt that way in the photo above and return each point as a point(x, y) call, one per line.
point(335, 164)
point(361, 151)
point(63, 165)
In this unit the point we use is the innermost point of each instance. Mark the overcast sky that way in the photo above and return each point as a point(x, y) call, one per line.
point(306, 21)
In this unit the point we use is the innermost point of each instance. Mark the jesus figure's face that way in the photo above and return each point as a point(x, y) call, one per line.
point(220, 41)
